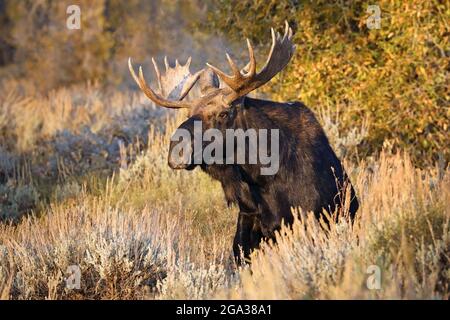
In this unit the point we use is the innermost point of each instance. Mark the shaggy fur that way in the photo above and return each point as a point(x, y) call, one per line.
point(310, 175)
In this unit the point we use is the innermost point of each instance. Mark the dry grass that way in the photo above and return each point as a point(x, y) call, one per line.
point(137, 229)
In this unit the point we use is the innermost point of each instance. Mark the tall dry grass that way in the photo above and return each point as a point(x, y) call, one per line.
point(138, 230)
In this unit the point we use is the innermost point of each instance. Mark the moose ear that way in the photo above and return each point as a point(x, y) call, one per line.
point(239, 103)
point(208, 81)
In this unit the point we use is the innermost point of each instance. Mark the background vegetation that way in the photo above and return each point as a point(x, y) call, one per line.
point(83, 173)
point(395, 78)
point(37, 46)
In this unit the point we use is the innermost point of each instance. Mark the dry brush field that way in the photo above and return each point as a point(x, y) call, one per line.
point(85, 182)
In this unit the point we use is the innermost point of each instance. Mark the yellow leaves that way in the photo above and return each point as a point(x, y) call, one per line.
point(421, 70)
point(347, 70)
point(383, 74)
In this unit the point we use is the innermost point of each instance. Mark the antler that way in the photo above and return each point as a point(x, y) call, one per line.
point(174, 85)
point(241, 82)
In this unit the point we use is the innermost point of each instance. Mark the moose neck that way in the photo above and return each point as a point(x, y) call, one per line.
point(251, 114)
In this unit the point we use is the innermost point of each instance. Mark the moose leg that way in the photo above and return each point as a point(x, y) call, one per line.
point(248, 236)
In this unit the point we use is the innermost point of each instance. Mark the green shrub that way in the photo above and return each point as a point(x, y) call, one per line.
point(395, 78)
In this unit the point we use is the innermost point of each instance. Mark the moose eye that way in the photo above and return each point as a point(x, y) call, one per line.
point(223, 114)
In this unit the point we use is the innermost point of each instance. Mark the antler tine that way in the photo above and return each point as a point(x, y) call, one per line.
point(133, 74)
point(166, 63)
point(246, 80)
point(158, 75)
point(219, 72)
point(232, 64)
point(252, 62)
point(231, 80)
point(188, 62)
point(286, 29)
point(289, 31)
point(152, 95)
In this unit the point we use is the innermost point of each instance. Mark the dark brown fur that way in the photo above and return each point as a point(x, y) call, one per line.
point(310, 175)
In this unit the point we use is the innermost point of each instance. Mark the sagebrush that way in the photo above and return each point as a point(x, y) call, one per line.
point(140, 230)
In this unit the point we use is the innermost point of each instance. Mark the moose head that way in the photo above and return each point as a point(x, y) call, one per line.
point(221, 95)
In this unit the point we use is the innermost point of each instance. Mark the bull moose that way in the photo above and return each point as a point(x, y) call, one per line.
point(310, 175)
